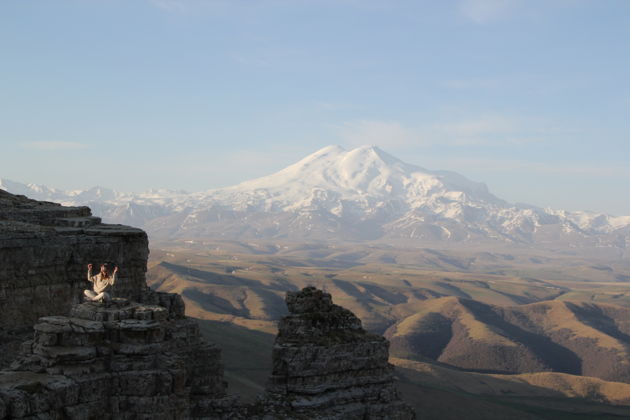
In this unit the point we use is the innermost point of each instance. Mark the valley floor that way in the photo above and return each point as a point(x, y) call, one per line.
point(440, 310)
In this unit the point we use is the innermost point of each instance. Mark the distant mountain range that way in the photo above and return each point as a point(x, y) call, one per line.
point(358, 194)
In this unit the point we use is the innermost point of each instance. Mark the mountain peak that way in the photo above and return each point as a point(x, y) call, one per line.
point(340, 151)
point(362, 192)
point(368, 148)
point(370, 153)
point(358, 156)
point(362, 179)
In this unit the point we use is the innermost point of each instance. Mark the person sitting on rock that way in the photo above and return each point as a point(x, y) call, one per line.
point(101, 284)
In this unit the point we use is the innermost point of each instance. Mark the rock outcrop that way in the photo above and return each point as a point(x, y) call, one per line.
point(44, 251)
point(139, 357)
point(326, 366)
point(124, 361)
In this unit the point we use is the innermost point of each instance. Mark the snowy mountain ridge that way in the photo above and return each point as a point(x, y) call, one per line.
point(362, 175)
point(357, 194)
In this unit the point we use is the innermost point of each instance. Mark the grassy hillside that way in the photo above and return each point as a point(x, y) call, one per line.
point(441, 392)
point(502, 277)
point(222, 285)
point(547, 395)
point(246, 355)
point(487, 313)
point(576, 338)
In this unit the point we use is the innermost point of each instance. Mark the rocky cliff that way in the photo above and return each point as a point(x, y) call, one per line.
point(124, 361)
point(140, 357)
point(325, 364)
point(44, 250)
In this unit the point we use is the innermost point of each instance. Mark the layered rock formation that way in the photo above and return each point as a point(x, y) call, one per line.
point(326, 366)
point(125, 361)
point(140, 357)
point(44, 251)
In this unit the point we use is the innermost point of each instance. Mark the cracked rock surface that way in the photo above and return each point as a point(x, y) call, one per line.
point(44, 252)
point(123, 361)
point(139, 357)
point(326, 366)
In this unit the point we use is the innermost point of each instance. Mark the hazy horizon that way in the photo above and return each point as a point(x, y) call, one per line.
point(530, 98)
point(188, 191)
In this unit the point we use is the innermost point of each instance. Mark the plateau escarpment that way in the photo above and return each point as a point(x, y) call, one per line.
point(44, 250)
point(139, 357)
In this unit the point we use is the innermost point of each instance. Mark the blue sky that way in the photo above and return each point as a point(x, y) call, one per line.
point(531, 97)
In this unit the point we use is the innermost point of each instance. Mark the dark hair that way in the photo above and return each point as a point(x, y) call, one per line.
point(107, 268)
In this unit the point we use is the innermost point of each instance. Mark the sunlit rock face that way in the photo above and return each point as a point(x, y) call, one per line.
point(326, 366)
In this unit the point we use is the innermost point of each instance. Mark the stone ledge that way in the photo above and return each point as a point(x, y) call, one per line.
point(144, 359)
point(119, 310)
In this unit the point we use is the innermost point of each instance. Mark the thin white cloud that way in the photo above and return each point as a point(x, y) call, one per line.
point(515, 165)
point(53, 145)
point(490, 130)
point(382, 133)
point(273, 56)
point(486, 130)
point(485, 11)
point(251, 163)
point(491, 124)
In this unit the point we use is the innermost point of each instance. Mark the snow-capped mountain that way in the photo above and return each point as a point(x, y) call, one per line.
point(358, 181)
point(363, 193)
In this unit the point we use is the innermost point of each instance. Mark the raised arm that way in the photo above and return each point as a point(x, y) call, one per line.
point(89, 273)
point(114, 275)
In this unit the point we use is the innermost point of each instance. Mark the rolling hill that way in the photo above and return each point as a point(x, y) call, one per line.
point(577, 338)
point(476, 321)
point(463, 324)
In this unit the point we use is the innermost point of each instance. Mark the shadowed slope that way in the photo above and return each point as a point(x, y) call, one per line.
point(449, 393)
point(581, 339)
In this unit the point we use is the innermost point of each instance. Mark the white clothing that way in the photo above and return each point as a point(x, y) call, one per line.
point(101, 286)
point(94, 297)
point(101, 283)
